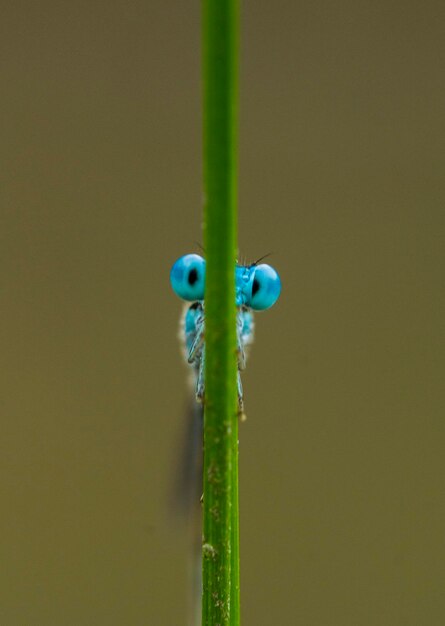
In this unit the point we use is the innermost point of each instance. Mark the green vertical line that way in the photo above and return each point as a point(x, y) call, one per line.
point(235, 564)
point(220, 507)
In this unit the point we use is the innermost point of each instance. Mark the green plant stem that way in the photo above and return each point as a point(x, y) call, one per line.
point(220, 507)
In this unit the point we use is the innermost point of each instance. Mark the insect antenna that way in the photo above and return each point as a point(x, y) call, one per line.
point(262, 258)
point(199, 246)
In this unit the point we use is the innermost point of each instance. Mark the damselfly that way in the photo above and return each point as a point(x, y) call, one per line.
point(257, 287)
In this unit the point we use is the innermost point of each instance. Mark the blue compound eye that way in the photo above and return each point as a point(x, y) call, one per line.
point(187, 277)
point(266, 288)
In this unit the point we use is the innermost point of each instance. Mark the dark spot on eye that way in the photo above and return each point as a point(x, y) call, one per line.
point(255, 286)
point(192, 277)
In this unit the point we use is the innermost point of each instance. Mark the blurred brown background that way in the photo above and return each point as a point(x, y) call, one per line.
point(341, 176)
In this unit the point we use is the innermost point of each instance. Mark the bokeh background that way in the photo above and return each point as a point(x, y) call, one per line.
point(342, 139)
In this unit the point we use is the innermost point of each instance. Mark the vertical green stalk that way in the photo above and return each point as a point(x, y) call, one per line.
point(220, 508)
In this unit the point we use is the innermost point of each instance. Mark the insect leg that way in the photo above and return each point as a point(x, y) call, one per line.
point(198, 340)
point(200, 384)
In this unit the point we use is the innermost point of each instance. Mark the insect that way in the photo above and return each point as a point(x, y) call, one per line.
point(257, 287)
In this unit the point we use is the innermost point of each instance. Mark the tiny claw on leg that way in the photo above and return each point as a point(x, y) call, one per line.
point(241, 415)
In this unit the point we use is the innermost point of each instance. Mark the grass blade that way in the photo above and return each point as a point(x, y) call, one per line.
point(220, 507)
